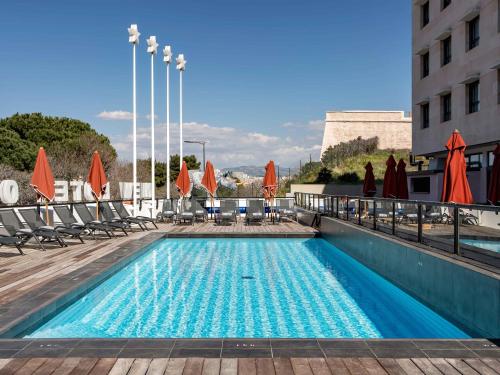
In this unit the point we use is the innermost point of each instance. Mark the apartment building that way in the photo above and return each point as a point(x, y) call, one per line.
point(456, 85)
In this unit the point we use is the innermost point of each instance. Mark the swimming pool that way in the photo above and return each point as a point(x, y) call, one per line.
point(250, 288)
point(483, 244)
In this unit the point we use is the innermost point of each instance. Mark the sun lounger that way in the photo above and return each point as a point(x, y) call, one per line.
point(185, 215)
point(256, 212)
point(168, 210)
point(198, 211)
point(68, 220)
point(35, 222)
point(86, 216)
point(110, 218)
point(39, 229)
point(12, 241)
point(227, 212)
point(121, 210)
point(15, 228)
point(286, 209)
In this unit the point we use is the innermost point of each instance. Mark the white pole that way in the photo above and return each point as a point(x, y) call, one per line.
point(168, 131)
point(180, 119)
point(153, 201)
point(134, 131)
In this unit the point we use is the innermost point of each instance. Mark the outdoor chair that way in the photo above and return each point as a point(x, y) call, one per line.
point(87, 218)
point(140, 220)
point(110, 218)
point(15, 228)
point(168, 210)
point(227, 212)
point(46, 234)
point(184, 215)
point(12, 241)
point(286, 209)
point(198, 211)
point(69, 221)
point(256, 212)
point(35, 222)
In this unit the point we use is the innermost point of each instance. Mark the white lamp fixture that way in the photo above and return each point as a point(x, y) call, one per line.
point(167, 58)
point(181, 67)
point(133, 38)
point(152, 49)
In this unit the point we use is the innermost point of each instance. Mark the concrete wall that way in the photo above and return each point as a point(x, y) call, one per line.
point(482, 62)
point(393, 129)
point(333, 189)
point(463, 294)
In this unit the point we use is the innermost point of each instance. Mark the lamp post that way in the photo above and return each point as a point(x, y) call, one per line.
point(152, 48)
point(181, 66)
point(133, 38)
point(167, 58)
point(203, 145)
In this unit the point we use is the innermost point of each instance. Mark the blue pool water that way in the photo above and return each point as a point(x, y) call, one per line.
point(247, 288)
point(483, 244)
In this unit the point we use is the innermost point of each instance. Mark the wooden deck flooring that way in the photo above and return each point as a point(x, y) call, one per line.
point(248, 366)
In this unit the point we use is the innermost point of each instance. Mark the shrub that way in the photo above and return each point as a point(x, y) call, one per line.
point(334, 156)
point(349, 177)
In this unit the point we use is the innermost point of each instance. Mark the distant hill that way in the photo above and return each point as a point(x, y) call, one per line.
point(258, 171)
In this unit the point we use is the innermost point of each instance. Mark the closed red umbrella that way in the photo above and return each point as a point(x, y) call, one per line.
point(369, 188)
point(494, 189)
point(401, 180)
point(209, 183)
point(269, 184)
point(42, 180)
point(97, 180)
point(455, 185)
point(390, 184)
point(183, 183)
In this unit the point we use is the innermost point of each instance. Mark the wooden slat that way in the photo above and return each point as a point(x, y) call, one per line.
point(282, 366)
point(49, 366)
point(354, 366)
point(211, 366)
point(372, 366)
point(12, 366)
point(264, 366)
point(246, 366)
point(337, 366)
point(228, 366)
point(193, 366)
point(461, 366)
point(66, 366)
point(175, 366)
point(84, 366)
point(301, 366)
point(103, 366)
point(121, 366)
point(408, 366)
point(140, 366)
point(31, 366)
point(157, 366)
point(480, 366)
point(426, 366)
point(493, 363)
point(319, 366)
point(444, 366)
point(3, 362)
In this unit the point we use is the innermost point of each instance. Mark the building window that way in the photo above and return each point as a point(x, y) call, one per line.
point(424, 62)
point(473, 33)
point(424, 14)
point(424, 115)
point(474, 162)
point(421, 185)
point(446, 51)
point(445, 3)
point(473, 97)
point(446, 108)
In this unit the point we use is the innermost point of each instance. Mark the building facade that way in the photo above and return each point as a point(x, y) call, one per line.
point(392, 128)
point(456, 85)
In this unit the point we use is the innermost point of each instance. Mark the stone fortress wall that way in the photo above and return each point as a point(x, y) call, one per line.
point(392, 128)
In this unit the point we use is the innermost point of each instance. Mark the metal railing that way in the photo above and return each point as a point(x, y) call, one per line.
point(465, 230)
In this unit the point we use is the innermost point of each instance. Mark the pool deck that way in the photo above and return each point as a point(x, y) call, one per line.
point(34, 281)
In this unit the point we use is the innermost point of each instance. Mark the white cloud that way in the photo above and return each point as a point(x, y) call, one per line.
point(227, 146)
point(115, 115)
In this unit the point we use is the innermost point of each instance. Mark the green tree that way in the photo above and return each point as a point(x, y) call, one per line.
point(191, 162)
point(15, 151)
point(324, 176)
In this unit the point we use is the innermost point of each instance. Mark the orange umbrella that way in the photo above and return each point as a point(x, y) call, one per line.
point(402, 180)
point(183, 183)
point(43, 180)
point(369, 188)
point(269, 184)
point(208, 182)
point(455, 185)
point(97, 179)
point(494, 190)
point(390, 187)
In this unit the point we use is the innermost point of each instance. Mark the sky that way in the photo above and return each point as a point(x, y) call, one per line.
point(259, 77)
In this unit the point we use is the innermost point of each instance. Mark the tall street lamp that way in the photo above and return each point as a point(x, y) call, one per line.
point(167, 58)
point(181, 66)
point(152, 48)
point(203, 144)
point(133, 38)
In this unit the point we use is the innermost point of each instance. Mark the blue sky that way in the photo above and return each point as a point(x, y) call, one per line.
point(260, 74)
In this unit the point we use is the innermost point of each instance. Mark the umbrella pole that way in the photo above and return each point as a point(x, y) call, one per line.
point(47, 211)
point(97, 209)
